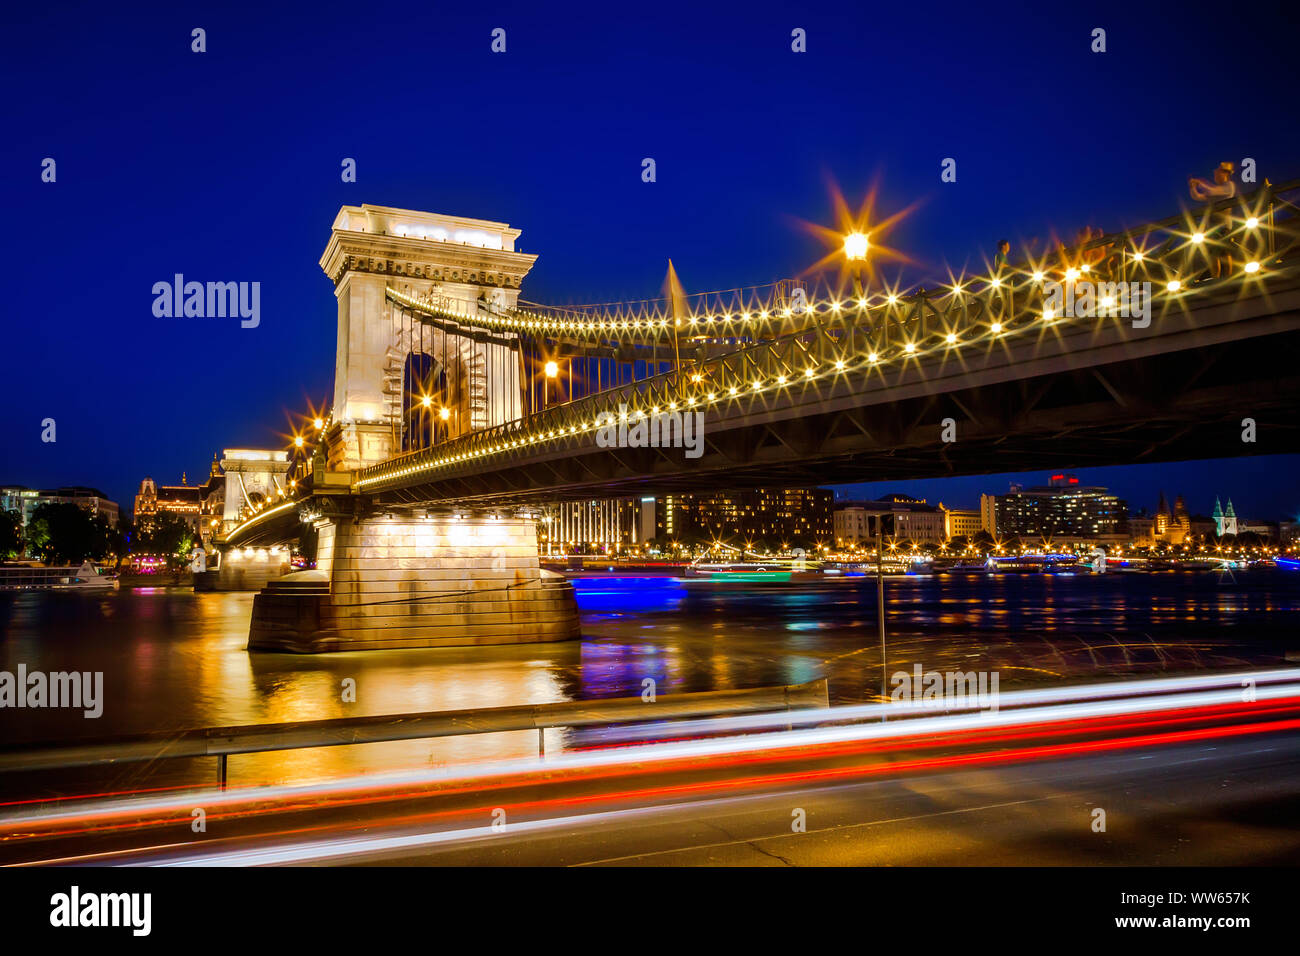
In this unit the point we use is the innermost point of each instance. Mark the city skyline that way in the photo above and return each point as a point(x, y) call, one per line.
point(1199, 483)
point(1132, 483)
point(168, 368)
point(1213, 484)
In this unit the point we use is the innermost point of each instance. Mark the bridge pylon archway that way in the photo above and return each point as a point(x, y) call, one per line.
point(421, 575)
point(462, 264)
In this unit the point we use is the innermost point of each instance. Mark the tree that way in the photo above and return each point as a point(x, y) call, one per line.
point(168, 534)
point(1250, 539)
point(122, 538)
point(11, 534)
point(65, 533)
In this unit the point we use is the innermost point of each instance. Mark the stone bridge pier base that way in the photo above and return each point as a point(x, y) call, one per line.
point(439, 581)
point(249, 569)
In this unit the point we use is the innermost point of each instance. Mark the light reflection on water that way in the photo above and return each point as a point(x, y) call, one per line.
point(175, 659)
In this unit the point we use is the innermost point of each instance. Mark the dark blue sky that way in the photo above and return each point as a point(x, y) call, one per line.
point(225, 166)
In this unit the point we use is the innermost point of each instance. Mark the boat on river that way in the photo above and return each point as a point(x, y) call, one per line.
point(766, 571)
point(37, 577)
point(1035, 563)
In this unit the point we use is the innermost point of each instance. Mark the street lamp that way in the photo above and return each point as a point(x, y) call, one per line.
point(552, 370)
point(856, 246)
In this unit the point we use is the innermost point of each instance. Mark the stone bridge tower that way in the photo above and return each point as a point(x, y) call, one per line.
point(423, 255)
point(417, 577)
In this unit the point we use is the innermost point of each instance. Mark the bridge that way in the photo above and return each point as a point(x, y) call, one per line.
point(459, 409)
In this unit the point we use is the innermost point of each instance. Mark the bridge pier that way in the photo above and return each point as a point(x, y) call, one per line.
point(250, 569)
point(440, 581)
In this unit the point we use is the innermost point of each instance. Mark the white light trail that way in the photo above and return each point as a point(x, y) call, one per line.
point(1015, 708)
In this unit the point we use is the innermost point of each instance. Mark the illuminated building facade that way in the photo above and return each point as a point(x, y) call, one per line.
point(791, 517)
point(154, 500)
point(1142, 529)
point(608, 526)
point(1171, 527)
point(1061, 508)
point(961, 524)
point(26, 500)
point(1225, 522)
point(914, 520)
point(989, 514)
point(197, 505)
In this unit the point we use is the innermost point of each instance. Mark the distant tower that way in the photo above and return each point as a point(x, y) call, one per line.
point(215, 470)
point(1182, 520)
point(1230, 520)
point(146, 504)
point(1217, 515)
point(1162, 516)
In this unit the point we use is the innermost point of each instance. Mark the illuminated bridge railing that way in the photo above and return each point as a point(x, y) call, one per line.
point(762, 312)
point(1174, 255)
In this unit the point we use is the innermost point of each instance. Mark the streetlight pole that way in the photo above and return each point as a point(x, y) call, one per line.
point(880, 608)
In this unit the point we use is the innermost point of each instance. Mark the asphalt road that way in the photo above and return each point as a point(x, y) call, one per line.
point(1228, 803)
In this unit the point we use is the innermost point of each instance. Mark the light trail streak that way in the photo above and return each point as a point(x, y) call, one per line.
point(1029, 731)
point(1170, 701)
point(1088, 701)
point(336, 849)
point(1006, 701)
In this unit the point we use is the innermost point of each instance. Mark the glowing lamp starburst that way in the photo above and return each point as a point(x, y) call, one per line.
point(856, 245)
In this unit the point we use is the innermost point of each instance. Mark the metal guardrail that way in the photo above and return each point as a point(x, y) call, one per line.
point(221, 742)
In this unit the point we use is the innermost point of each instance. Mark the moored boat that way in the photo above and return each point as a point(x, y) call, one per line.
point(36, 577)
point(1035, 563)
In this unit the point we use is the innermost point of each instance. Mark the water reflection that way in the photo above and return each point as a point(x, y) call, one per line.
point(175, 659)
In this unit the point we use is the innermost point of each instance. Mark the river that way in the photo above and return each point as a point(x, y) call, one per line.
point(174, 659)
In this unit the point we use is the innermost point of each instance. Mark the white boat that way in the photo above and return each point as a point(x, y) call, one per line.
point(35, 577)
